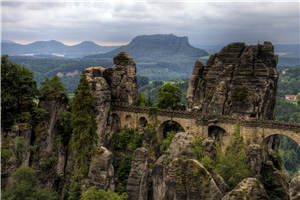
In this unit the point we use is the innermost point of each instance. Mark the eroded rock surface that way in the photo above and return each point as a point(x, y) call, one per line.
point(137, 188)
point(117, 84)
point(249, 188)
point(240, 81)
point(101, 171)
point(176, 175)
point(255, 156)
point(294, 190)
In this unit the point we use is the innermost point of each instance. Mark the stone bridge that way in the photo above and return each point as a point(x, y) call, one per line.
point(219, 127)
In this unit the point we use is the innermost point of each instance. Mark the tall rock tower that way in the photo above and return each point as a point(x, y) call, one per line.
point(240, 81)
point(117, 84)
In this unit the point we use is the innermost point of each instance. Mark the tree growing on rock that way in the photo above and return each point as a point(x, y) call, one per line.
point(25, 185)
point(52, 87)
point(18, 93)
point(84, 136)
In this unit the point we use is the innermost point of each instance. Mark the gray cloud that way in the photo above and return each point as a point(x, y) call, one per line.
point(120, 21)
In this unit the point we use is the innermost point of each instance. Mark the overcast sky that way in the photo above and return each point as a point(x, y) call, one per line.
point(117, 22)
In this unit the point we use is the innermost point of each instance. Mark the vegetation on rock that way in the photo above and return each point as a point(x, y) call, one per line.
point(123, 145)
point(18, 94)
point(52, 87)
point(25, 185)
point(93, 194)
point(84, 137)
point(233, 164)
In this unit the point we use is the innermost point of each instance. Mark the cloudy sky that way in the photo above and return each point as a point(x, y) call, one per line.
point(117, 22)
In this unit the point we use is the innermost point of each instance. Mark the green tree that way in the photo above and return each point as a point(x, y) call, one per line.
point(25, 185)
point(52, 87)
point(169, 97)
point(75, 191)
point(142, 100)
point(93, 194)
point(18, 92)
point(233, 164)
point(84, 136)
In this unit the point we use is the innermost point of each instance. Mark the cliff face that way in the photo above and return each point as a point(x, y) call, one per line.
point(117, 84)
point(240, 81)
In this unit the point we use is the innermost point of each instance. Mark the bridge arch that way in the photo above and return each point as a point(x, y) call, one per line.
point(142, 122)
point(166, 126)
point(218, 134)
point(129, 123)
point(268, 132)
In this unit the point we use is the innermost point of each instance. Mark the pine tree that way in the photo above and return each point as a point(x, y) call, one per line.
point(75, 191)
point(18, 93)
point(52, 87)
point(84, 137)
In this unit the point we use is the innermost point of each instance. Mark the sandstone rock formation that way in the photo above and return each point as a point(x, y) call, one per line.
point(176, 175)
point(187, 179)
point(17, 142)
point(249, 188)
point(137, 185)
point(255, 155)
point(117, 84)
point(101, 171)
point(294, 189)
point(240, 81)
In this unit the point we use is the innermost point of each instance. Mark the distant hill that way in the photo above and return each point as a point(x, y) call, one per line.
point(53, 48)
point(156, 47)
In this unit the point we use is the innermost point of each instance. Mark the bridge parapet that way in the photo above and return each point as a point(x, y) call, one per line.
point(160, 112)
point(209, 119)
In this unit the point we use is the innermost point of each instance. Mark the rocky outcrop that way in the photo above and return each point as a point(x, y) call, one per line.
point(15, 151)
point(137, 185)
point(102, 94)
point(101, 171)
point(274, 181)
point(294, 189)
point(209, 148)
point(117, 84)
point(48, 153)
point(176, 175)
point(249, 188)
point(255, 156)
point(187, 179)
point(240, 81)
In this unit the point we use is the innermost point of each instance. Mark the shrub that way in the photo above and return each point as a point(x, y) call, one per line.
point(20, 147)
point(93, 194)
point(167, 141)
point(6, 153)
point(25, 185)
point(123, 145)
point(49, 163)
point(233, 164)
point(197, 148)
point(75, 191)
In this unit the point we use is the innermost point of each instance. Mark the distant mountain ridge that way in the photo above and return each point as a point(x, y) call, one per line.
point(156, 47)
point(53, 47)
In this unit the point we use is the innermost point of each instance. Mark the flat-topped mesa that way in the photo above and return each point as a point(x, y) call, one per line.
point(240, 81)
